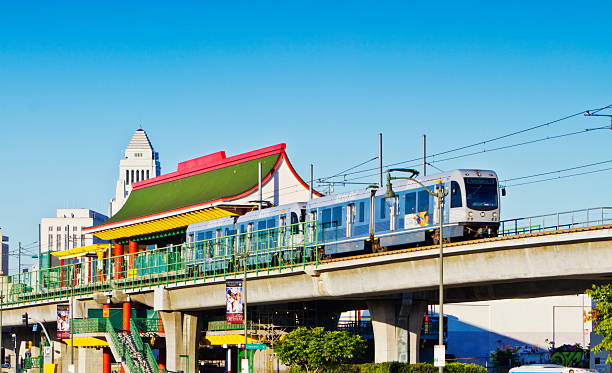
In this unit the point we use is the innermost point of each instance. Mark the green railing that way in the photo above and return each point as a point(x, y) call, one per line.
point(120, 348)
point(224, 325)
point(285, 248)
point(91, 325)
point(149, 325)
point(35, 362)
point(144, 348)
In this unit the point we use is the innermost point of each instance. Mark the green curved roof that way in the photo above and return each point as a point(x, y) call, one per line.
point(210, 186)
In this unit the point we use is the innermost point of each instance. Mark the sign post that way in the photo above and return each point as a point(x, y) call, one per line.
point(439, 355)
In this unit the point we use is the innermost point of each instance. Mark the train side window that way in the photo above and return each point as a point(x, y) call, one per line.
point(410, 203)
point(383, 208)
point(455, 194)
point(337, 216)
point(271, 223)
point(361, 211)
point(423, 202)
point(294, 223)
point(326, 218)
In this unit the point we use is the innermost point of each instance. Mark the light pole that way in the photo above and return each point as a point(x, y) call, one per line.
point(439, 194)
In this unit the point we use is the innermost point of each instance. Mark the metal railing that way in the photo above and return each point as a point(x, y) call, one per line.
point(33, 362)
point(284, 248)
point(144, 348)
point(215, 326)
point(561, 220)
point(145, 325)
point(120, 348)
point(90, 325)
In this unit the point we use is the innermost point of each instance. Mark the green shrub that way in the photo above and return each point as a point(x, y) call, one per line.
point(395, 367)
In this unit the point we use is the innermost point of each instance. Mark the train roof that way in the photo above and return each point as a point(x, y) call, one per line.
point(365, 193)
point(228, 220)
point(272, 211)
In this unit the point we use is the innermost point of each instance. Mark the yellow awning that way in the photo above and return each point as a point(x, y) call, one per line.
point(79, 251)
point(163, 224)
point(87, 342)
point(226, 339)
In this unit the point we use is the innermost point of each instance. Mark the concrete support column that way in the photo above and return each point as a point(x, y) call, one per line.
point(397, 326)
point(415, 323)
point(182, 338)
point(384, 319)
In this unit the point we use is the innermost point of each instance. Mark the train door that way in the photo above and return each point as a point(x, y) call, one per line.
point(392, 214)
point(312, 227)
point(283, 231)
point(350, 219)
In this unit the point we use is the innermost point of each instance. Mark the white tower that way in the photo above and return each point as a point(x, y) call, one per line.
point(141, 162)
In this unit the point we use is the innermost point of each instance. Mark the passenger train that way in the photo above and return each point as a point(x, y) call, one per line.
point(350, 223)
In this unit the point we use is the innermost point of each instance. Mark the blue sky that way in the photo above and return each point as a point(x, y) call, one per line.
point(76, 80)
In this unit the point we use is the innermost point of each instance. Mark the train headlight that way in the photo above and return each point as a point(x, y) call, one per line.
point(494, 214)
point(482, 214)
point(470, 214)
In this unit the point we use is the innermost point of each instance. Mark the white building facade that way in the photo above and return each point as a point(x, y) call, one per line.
point(140, 162)
point(65, 230)
point(4, 250)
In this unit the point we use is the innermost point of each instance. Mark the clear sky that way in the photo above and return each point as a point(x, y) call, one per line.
point(76, 80)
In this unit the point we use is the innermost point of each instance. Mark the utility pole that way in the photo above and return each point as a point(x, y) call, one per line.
point(424, 155)
point(380, 161)
point(19, 261)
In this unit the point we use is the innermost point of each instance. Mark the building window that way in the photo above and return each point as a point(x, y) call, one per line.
point(132, 175)
point(58, 228)
point(50, 244)
point(50, 229)
point(74, 228)
point(75, 243)
point(147, 174)
point(82, 240)
point(127, 177)
point(58, 244)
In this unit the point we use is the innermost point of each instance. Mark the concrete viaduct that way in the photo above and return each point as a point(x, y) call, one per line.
point(396, 286)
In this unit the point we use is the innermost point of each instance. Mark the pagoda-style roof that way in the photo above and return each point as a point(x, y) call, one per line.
point(212, 181)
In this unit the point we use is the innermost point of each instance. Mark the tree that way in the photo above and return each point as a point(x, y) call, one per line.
point(316, 349)
point(503, 358)
point(602, 317)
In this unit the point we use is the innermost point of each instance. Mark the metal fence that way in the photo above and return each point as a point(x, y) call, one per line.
point(561, 220)
point(284, 248)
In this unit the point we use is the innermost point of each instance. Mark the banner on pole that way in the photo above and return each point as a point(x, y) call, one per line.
point(233, 301)
point(63, 321)
point(439, 356)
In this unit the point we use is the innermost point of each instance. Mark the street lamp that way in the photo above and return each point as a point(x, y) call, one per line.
point(439, 194)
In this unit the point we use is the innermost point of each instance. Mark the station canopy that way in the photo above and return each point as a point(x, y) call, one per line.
point(201, 189)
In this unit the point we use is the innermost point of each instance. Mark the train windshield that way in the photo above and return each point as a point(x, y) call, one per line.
point(481, 193)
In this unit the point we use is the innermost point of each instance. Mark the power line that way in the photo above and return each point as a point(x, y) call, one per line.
point(560, 177)
point(556, 171)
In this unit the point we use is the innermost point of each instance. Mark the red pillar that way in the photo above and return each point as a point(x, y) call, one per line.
point(62, 272)
point(127, 311)
point(133, 249)
point(89, 269)
point(118, 251)
point(106, 360)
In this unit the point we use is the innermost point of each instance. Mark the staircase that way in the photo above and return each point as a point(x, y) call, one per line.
point(128, 347)
point(137, 356)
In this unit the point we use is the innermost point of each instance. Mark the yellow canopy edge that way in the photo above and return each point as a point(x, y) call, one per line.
point(164, 224)
point(79, 251)
point(226, 339)
point(87, 342)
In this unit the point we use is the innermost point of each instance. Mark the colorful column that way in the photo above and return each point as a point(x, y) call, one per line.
point(106, 360)
point(118, 252)
point(133, 249)
point(127, 312)
point(62, 272)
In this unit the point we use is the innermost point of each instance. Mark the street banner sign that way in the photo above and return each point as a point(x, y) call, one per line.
point(63, 321)
point(233, 301)
point(256, 346)
point(439, 355)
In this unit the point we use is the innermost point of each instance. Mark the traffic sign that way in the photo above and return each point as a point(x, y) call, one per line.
point(439, 355)
point(256, 346)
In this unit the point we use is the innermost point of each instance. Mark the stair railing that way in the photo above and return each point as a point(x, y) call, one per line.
point(120, 348)
point(144, 347)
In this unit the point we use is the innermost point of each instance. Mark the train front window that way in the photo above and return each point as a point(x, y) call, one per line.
point(481, 193)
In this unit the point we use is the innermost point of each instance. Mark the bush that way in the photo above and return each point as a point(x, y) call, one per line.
point(395, 367)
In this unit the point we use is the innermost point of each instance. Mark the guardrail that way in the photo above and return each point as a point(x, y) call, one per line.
point(90, 325)
point(285, 248)
point(561, 220)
